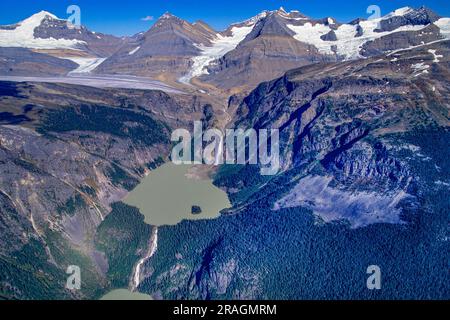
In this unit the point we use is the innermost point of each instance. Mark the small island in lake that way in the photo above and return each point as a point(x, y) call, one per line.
point(196, 210)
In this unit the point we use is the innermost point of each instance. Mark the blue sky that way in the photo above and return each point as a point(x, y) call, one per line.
point(121, 17)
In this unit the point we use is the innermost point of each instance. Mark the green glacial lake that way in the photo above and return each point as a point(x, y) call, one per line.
point(166, 196)
point(124, 294)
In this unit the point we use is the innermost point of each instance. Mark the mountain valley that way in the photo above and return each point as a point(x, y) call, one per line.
point(363, 113)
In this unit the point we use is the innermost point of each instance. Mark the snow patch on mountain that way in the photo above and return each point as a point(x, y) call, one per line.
point(444, 26)
point(85, 65)
point(420, 68)
point(435, 55)
point(134, 51)
point(23, 35)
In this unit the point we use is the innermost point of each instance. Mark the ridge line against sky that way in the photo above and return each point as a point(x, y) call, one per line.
point(127, 18)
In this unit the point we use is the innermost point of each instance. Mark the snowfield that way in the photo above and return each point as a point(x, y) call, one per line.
point(347, 44)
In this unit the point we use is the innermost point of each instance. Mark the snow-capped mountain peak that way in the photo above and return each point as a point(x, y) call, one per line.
point(35, 20)
point(44, 31)
point(282, 10)
point(167, 15)
point(168, 19)
point(252, 21)
point(399, 12)
point(23, 34)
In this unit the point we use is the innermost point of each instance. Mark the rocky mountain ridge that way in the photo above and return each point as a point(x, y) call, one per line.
point(238, 58)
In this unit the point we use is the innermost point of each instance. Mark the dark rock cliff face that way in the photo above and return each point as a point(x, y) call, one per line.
point(330, 36)
point(318, 120)
point(339, 119)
